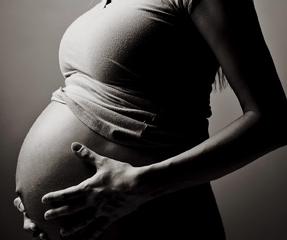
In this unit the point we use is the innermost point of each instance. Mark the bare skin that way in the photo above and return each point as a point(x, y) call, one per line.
point(46, 165)
point(242, 53)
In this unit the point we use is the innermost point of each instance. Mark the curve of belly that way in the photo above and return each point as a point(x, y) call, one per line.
point(46, 163)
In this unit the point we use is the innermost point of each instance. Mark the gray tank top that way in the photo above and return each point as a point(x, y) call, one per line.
point(133, 72)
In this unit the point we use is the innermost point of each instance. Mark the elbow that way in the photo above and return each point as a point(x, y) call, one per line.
point(274, 127)
point(281, 131)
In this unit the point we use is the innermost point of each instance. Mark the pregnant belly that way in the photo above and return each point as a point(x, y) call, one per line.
point(46, 163)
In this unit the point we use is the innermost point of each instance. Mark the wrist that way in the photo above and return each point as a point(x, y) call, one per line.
point(148, 183)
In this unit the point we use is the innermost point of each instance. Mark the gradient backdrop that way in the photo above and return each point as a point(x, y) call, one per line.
point(252, 200)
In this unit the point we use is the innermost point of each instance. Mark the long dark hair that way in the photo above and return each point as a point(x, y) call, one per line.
point(220, 82)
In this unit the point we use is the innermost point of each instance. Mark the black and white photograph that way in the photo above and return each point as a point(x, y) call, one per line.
point(143, 120)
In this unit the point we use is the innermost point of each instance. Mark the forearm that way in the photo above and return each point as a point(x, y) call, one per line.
point(237, 145)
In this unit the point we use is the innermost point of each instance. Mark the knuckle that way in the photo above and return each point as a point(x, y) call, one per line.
point(68, 210)
point(26, 227)
point(100, 193)
point(72, 209)
point(63, 196)
point(43, 236)
point(16, 201)
point(85, 152)
point(85, 187)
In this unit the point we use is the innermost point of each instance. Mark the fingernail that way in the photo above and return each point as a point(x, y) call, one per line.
point(21, 207)
point(76, 146)
point(63, 232)
point(33, 227)
point(43, 236)
point(47, 216)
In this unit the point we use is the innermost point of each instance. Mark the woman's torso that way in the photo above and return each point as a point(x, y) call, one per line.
point(138, 72)
point(148, 64)
point(46, 163)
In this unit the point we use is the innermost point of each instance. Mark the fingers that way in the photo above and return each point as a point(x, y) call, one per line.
point(86, 154)
point(64, 195)
point(43, 236)
point(18, 204)
point(63, 211)
point(28, 224)
point(75, 191)
point(81, 150)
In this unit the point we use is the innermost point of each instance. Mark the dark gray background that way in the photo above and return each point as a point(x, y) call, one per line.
point(252, 200)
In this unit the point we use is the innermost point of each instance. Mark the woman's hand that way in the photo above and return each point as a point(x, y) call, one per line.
point(107, 196)
point(28, 225)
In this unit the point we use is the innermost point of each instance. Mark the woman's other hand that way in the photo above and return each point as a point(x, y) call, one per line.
point(28, 225)
point(107, 196)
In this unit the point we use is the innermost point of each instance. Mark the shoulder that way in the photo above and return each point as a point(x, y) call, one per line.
point(224, 15)
point(221, 7)
point(218, 9)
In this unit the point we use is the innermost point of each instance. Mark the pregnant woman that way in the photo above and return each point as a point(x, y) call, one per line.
point(135, 109)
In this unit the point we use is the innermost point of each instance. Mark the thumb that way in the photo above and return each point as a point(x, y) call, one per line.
point(18, 204)
point(83, 152)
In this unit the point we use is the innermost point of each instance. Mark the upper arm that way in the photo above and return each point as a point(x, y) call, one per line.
point(232, 30)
